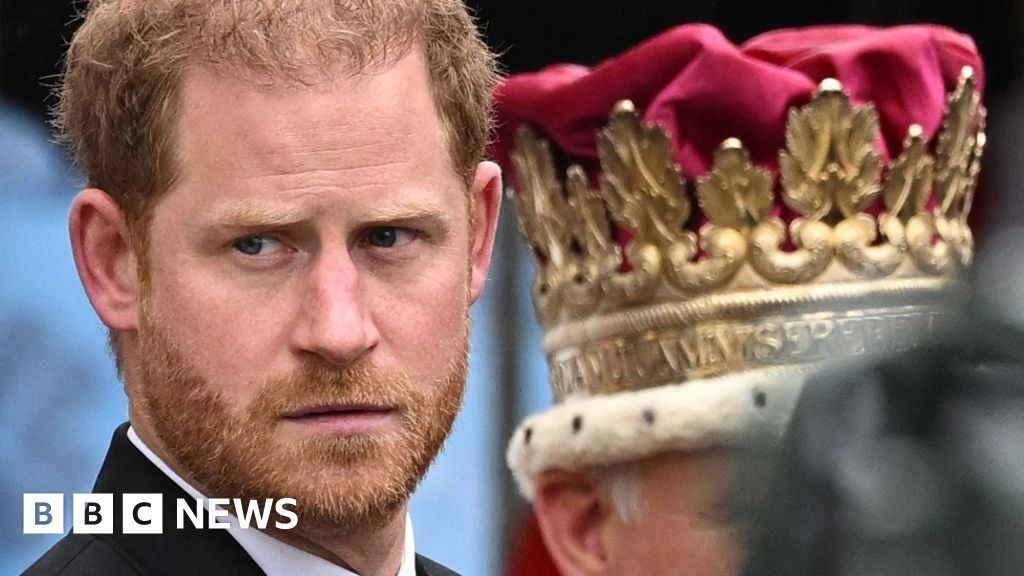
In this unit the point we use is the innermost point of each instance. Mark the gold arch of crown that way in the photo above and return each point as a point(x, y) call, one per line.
point(831, 173)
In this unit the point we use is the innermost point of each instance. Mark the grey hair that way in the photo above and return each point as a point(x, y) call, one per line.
point(622, 484)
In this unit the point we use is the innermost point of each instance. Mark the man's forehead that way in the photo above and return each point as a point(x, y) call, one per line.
point(332, 111)
point(206, 84)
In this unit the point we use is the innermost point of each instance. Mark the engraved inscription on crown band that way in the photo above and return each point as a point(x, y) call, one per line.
point(705, 350)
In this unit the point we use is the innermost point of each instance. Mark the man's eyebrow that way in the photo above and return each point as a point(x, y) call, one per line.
point(250, 215)
point(410, 213)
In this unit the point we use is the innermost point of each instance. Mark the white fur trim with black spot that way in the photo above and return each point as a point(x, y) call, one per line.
point(592, 431)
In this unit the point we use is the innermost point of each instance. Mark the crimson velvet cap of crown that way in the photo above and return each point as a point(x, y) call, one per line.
point(703, 89)
point(721, 208)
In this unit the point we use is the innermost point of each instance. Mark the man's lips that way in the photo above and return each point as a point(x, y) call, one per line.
point(342, 418)
point(322, 409)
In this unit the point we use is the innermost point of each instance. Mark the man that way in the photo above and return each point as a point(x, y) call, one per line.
point(723, 229)
point(287, 219)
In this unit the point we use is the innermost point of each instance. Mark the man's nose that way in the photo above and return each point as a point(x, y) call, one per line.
point(335, 322)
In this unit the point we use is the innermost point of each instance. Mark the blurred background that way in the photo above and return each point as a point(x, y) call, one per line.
point(60, 399)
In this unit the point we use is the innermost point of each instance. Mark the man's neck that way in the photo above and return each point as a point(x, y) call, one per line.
point(368, 552)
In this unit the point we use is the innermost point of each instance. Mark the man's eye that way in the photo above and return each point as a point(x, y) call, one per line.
point(388, 237)
point(257, 245)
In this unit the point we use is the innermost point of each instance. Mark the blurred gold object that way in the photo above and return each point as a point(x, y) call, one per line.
point(676, 304)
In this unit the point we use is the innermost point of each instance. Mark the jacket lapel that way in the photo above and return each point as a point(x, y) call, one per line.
point(427, 567)
point(185, 551)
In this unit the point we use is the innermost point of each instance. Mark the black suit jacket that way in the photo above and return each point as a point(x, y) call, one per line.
point(188, 551)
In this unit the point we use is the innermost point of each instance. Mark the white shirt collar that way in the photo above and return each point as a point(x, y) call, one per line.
point(272, 555)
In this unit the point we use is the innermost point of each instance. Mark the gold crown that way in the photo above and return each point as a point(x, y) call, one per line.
point(679, 304)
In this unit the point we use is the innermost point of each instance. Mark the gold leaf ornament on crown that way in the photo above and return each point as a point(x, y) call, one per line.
point(675, 304)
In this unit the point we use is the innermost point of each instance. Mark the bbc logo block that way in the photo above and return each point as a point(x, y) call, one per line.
point(142, 514)
point(43, 513)
point(92, 513)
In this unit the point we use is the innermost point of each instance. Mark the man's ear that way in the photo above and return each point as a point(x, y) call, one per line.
point(104, 258)
point(486, 193)
point(573, 512)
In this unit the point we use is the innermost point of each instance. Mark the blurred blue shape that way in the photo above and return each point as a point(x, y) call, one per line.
point(458, 512)
point(59, 396)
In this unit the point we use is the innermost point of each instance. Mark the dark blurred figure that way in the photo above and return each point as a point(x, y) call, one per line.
point(912, 465)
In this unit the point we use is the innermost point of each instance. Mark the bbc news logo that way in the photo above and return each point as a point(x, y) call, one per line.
point(144, 513)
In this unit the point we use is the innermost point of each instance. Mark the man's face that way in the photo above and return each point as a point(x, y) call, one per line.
point(304, 316)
